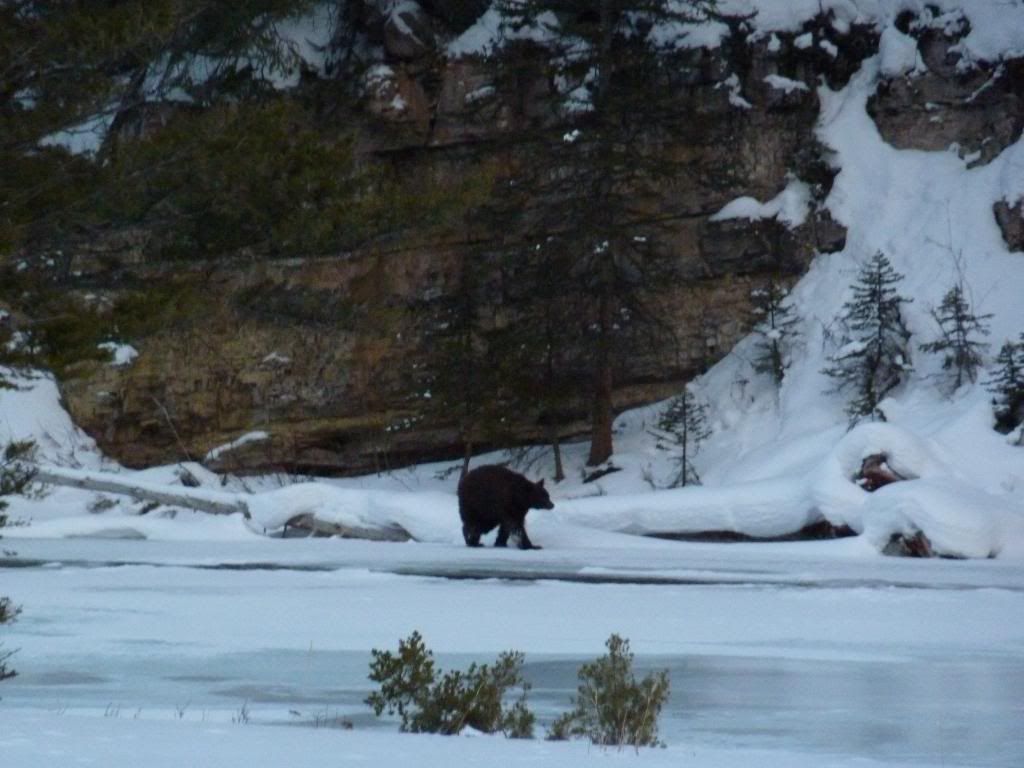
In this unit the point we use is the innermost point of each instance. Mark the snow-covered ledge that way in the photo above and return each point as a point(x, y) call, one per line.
point(791, 206)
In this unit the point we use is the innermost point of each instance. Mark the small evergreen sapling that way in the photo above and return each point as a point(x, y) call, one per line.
point(611, 708)
point(16, 474)
point(684, 426)
point(15, 477)
point(1007, 384)
point(960, 329)
point(8, 612)
point(873, 357)
point(777, 328)
point(409, 687)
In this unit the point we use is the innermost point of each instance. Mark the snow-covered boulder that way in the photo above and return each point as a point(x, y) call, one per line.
point(832, 488)
point(955, 518)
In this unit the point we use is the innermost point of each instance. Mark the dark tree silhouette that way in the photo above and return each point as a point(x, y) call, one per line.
point(1007, 384)
point(591, 183)
point(777, 329)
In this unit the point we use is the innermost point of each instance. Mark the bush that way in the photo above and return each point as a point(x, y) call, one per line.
point(16, 474)
point(612, 708)
point(8, 612)
point(429, 702)
point(15, 477)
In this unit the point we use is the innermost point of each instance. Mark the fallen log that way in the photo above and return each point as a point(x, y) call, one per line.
point(215, 503)
point(104, 482)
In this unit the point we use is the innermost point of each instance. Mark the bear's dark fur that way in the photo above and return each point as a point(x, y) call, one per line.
point(493, 496)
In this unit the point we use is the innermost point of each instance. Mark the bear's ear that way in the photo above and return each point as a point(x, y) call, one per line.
point(540, 483)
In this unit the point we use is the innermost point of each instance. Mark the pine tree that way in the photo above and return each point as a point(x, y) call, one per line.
point(538, 352)
point(777, 330)
point(684, 426)
point(459, 383)
point(1007, 384)
point(960, 328)
point(873, 357)
point(94, 70)
point(592, 174)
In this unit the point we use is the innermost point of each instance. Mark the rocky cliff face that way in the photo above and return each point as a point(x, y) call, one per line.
point(316, 352)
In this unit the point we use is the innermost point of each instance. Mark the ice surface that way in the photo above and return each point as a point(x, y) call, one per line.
point(776, 654)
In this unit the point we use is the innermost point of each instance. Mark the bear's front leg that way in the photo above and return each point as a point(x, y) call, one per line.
point(524, 540)
point(471, 534)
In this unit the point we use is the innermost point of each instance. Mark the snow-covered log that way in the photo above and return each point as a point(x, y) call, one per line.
point(107, 482)
point(274, 513)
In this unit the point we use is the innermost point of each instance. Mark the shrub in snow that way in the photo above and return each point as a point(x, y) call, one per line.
point(612, 708)
point(429, 702)
point(960, 329)
point(15, 473)
point(777, 329)
point(7, 614)
point(683, 426)
point(873, 357)
point(1007, 384)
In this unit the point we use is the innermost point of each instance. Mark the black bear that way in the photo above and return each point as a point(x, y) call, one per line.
point(492, 496)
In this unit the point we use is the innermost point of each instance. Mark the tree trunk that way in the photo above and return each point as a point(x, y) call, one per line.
point(556, 450)
point(602, 416)
point(466, 456)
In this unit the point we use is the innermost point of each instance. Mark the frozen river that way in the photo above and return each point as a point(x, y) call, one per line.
point(889, 660)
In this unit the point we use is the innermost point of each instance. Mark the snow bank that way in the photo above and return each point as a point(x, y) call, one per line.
point(423, 516)
point(761, 510)
point(898, 53)
point(958, 519)
point(832, 488)
point(32, 411)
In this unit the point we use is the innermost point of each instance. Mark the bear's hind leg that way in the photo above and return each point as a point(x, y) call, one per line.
point(503, 532)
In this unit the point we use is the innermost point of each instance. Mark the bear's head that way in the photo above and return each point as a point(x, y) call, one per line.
point(539, 498)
